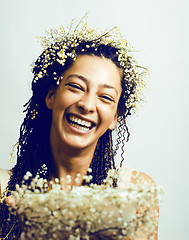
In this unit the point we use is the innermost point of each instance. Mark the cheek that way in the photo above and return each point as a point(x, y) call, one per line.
point(62, 101)
point(107, 114)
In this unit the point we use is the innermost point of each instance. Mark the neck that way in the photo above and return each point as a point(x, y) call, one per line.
point(69, 161)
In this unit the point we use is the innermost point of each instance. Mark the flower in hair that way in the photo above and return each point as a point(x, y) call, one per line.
point(61, 44)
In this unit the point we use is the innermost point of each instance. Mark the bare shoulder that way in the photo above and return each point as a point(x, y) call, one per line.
point(140, 177)
point(143, 177)
point(4, 178)
point(129, 175)
point(4, 173)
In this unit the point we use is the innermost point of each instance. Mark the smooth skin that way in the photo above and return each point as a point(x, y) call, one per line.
point(90, 92)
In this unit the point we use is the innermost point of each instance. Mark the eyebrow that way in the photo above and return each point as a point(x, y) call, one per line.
point(77, 76)
point(85, 80)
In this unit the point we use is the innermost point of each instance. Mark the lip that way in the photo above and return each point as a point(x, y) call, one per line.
point(76, 130)
point(82, 118)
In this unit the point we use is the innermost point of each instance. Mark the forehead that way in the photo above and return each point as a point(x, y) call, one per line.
point(97, 69)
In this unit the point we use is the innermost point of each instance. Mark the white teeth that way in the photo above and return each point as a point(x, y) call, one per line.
point(80, 127)
point(80, 121)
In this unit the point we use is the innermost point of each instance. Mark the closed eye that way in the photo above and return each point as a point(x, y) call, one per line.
point(107, 98)
point(75, 86)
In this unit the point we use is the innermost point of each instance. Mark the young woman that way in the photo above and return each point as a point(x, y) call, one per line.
point(85, 84)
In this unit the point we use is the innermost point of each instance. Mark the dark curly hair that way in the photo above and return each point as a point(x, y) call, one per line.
point(34, 148)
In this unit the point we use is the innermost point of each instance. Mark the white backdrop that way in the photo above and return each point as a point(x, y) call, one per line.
point(159, 134)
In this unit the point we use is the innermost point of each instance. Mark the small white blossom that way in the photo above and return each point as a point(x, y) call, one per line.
point(85, 210)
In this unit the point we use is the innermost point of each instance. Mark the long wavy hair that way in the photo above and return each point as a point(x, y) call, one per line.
point(34, 149)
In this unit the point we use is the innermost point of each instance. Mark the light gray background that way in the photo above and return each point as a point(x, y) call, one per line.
point(159, 134)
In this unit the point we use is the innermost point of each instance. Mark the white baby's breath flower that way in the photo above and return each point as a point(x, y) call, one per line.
point(27, 176)
point(89, 170)
point(85, 210)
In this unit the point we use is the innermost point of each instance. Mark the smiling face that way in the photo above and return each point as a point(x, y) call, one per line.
point(84, 105)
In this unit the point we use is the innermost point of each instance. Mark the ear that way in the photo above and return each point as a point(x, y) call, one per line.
point(113, 123)
point(50, 98)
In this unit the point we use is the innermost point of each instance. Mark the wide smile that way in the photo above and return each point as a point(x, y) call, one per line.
point(79, 123)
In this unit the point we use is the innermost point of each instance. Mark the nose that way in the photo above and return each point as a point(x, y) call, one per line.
point(87, 103)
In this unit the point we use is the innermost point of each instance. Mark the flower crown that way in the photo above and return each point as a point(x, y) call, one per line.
point(61, 44)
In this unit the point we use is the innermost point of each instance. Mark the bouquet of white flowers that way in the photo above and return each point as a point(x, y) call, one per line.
point(87, 212)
